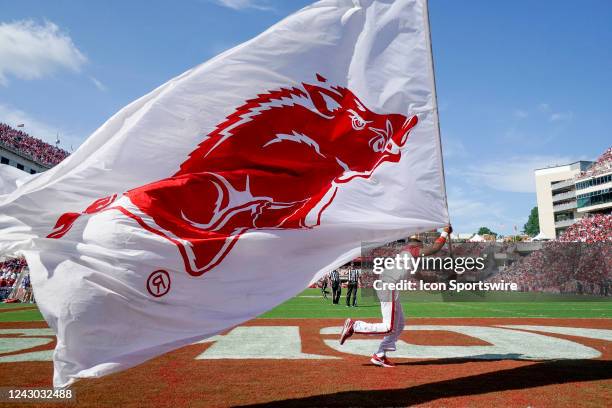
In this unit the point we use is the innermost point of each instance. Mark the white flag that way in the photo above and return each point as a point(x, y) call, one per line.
point(10, 178)
point(230, 188)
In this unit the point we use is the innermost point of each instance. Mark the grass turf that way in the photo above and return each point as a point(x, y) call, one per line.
point(22, 313)
point(310, 304)
point(6, 306)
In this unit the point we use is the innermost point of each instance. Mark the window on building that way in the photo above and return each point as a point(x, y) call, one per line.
point(32, 171)
point(564, 217)
point(594, 182)
point(20, 166)
point(4, 160)
point(594, 198)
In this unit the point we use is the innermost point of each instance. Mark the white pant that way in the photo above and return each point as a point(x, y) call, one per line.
point(391, 326)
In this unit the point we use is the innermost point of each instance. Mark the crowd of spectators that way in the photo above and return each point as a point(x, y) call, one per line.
point(596, 228)
point(579, 262)
point(12, 265)
point(603, 164)
point(30, 147)
point(7, 279)
point(24, 291)
point(10, 271)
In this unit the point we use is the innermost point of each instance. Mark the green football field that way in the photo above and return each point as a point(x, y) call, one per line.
point(310, 304)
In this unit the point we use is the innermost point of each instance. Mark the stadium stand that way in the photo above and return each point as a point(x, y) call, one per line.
point(13, 272)
point(596, 228)
point(30, 147)
point(603, 164)
point(579, 262)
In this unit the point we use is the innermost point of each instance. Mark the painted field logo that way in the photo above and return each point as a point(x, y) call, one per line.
point(158, 283)
point(284, 340)
point(275, 163)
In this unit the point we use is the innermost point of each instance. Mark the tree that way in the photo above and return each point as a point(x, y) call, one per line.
point(486, 231)
point(532, 227)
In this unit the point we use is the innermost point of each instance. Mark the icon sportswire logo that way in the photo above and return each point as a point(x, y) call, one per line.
point(275, 163)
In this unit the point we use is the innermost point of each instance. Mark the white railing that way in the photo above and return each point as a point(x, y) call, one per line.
point(562, 184)
point(564, 223)
point(565, 206)
point(564, 196)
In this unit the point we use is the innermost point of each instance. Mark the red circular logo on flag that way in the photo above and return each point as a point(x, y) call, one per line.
point(158, 283)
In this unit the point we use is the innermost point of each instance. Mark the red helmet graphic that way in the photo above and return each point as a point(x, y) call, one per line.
point(275, 163)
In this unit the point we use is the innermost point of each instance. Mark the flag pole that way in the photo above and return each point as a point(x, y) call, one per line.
point(436, 112)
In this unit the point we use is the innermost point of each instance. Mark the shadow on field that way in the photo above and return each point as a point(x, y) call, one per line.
point(446, 361)
point(535, 375)
point(474, 359)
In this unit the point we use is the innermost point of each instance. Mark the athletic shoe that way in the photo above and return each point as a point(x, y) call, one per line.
point(381, 361)
point(347, 330)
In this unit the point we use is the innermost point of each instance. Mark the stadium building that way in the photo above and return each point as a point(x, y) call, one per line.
point(27, 153)
point(21, 161)
point(567, 193)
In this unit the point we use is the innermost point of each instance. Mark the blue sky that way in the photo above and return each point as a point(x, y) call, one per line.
point(521, 84)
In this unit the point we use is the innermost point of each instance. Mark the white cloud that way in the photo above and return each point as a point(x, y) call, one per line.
point(464, 207)
point(245, 4)
point(32, 51)
point(37, 128)
point(561, 116)
point(544, 107)
point(469, 212)
point(453, 148)
point(553, 115)
point(521, 114)
point(513, 174)
point(98, 84)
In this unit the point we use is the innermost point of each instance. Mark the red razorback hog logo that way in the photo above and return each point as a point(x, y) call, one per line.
point(275, 163)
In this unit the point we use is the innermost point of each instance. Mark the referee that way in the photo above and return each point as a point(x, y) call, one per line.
point(353, 284)
point(334, 277)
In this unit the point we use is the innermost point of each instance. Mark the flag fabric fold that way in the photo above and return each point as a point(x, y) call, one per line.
point(230, 188)
point(10, 178)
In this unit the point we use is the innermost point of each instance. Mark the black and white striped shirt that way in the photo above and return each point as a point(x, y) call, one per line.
point(353, 275)
point(334, 276)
